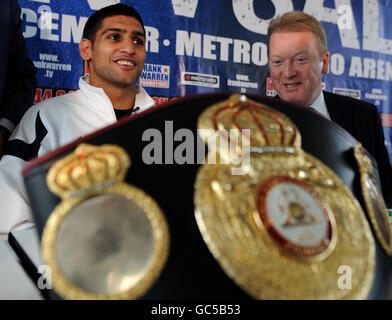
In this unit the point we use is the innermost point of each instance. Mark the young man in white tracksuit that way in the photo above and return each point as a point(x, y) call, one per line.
point(113, 45)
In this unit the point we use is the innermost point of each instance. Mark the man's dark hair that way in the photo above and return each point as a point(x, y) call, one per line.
point(94, 22)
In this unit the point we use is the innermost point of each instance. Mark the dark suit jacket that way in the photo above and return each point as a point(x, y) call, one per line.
point(17, 71)
point(363, 122)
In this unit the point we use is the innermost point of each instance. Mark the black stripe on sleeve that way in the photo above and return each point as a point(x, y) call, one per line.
point(27, 151)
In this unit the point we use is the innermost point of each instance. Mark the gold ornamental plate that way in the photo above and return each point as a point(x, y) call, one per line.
point(284, 226)
point(374, 202)
point(106, 239)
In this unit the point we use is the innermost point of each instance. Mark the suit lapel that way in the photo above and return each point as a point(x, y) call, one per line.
point(338, 111)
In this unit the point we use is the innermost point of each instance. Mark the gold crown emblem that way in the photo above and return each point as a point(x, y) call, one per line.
point(88, 168)
point(268, 127)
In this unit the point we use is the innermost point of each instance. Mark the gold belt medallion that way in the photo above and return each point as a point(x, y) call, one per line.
point(106, 239)
point(284, 226)
point(374, 202)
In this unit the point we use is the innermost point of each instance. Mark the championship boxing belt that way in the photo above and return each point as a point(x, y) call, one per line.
point(276, 208)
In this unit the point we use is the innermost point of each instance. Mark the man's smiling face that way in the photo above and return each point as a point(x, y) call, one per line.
point(296, 66)
point(117, 54)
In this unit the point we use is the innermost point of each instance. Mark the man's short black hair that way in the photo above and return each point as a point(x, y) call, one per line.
point(94, 22)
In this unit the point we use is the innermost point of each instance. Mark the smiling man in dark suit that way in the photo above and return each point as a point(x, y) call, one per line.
point(298, 58)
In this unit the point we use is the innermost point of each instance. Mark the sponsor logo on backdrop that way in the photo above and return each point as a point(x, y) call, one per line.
point(386, 120)
point(160, 100)
point(155, 76)
point(270, 91)
point(50, 63)
point(42, 94)
point(242, 81)
point(348, 92)
point(199, 79)
point(376, 95)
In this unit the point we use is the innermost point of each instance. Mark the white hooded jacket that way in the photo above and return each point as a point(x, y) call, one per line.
point(45, 127)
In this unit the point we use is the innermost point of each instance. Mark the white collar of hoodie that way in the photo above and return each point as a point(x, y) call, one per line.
point(101, 101)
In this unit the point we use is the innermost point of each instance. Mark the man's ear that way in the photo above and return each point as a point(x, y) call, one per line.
point(324, 69)
point(85, 49)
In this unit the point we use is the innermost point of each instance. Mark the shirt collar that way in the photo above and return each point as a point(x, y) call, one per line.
point(320, 106)
point(143, 100)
